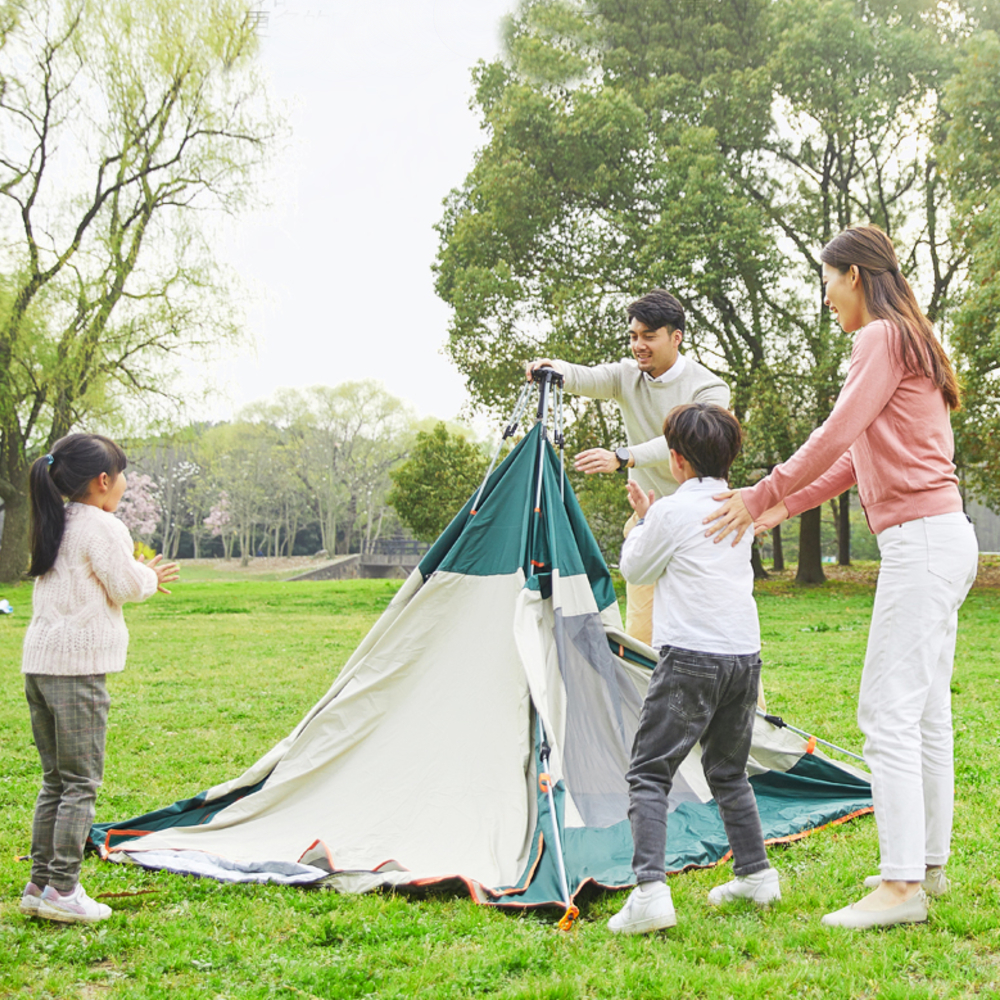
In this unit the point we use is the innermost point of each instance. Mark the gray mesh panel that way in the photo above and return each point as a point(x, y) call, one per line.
point(602, 713)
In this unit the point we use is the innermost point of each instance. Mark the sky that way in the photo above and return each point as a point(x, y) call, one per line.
point(338, 269)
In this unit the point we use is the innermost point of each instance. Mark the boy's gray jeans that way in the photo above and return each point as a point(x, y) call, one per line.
point(696, 696)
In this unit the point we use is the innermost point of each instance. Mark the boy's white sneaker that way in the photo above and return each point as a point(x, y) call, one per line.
point(645, 910)
point(75, 908)
point(761, 888)
point(31, 898)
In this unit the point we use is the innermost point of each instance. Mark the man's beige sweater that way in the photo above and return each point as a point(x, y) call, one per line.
point(645, 403)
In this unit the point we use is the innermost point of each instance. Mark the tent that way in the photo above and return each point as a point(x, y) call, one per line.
point(480, 733)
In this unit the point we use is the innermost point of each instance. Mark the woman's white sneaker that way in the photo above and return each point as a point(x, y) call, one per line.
point(761, 888)
point(74, 908)
point(645, 910)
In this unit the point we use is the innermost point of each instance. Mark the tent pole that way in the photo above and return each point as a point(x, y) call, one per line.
point(545, 783)
point(519, 407)
point(780, 723)
point(544, 377)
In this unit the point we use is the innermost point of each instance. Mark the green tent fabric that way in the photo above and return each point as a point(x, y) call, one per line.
point(421, 764)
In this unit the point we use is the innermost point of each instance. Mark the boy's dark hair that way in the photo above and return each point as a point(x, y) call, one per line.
point(66, 471)
point(657, 308)
point(708, 436)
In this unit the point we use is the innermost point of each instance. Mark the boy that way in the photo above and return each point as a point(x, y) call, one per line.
point(705, 684)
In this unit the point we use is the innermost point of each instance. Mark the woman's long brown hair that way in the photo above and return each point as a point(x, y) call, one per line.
point(888, 296)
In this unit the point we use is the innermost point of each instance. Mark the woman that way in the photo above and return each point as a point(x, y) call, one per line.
point(890, 433)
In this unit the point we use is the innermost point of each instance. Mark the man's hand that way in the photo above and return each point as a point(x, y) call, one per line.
point(731, 516)
point(165, 572)
point(640, 501)
point(531, 366)
point(596, 460)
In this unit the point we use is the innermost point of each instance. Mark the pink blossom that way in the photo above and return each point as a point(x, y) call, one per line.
point(138, 508)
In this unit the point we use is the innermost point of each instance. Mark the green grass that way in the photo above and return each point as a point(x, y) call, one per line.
point(219, 671)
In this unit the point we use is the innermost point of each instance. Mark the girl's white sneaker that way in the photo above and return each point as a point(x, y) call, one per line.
point(761, 888)
point(31, 898)
point(75, 908)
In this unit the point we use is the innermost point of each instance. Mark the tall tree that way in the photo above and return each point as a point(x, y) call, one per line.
point(122, 123)
point(428, 489)
point(350, 436)
point(972, 158)
point(710, 148)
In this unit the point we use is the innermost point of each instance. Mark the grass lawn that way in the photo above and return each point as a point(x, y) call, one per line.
point(222, 669)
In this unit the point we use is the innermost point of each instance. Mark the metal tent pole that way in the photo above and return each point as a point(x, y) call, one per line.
point(776, 720)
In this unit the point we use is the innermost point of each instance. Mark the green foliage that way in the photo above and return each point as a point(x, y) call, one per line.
point(124, 125)
point(443, 471)
point(709, 148)
point(973, 162)
point(206, 694)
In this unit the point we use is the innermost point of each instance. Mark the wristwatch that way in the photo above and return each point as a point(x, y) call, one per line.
point(624, 456)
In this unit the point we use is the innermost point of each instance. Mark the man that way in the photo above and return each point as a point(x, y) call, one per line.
point(646, 389)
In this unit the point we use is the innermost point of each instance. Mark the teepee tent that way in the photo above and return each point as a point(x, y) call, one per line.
point(480, 733)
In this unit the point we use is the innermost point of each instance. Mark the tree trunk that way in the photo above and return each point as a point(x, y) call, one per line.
point(779, 551)
point(14, 551)
point(844, 529)
point(759, 573)
point(810, 551)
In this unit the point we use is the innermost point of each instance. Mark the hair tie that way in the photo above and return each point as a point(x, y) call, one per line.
point(48, 458)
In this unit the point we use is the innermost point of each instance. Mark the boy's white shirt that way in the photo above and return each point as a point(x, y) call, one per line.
point(703, 597)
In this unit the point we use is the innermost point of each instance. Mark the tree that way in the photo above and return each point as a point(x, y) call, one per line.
point(122, 124)
point(346, 438)
point(220, 523)
point(434, 483)
point(972, 158)
point(709, 148)
point(139, 509)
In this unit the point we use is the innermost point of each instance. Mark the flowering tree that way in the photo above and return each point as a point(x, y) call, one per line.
point(139, 508)
point(220, 522)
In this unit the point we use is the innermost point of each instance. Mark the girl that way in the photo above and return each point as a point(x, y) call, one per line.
point(82, 558)
point(890, 433)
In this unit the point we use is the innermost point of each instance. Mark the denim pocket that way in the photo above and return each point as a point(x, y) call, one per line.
point(692, 687)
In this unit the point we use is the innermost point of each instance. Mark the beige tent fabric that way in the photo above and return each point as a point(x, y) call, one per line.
point(422, 757)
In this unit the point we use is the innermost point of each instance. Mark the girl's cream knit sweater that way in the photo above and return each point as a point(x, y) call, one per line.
point(77, 627)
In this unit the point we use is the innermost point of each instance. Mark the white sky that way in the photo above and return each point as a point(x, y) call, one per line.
point(339, 268)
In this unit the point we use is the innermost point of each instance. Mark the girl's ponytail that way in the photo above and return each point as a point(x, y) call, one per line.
point(66, 471)
point(48, 516)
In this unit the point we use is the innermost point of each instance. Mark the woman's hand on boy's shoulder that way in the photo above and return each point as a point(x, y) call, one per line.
point(639, 499)
point(165, 572)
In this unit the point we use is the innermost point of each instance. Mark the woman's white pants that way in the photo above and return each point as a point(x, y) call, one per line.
point(904, 709)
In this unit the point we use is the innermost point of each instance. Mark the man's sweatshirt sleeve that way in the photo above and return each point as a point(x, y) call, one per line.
point(599, 382)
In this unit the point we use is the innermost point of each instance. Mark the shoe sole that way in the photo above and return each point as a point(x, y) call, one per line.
point(868, 925)
point(62, 917)
point(645, 926)
point(748, 899)
point(28, 911)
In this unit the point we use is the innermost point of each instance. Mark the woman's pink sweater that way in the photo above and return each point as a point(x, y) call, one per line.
point(889, 432)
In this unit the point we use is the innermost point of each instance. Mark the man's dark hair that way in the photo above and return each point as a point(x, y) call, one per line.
point(657, 308)
point(708, 436)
